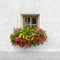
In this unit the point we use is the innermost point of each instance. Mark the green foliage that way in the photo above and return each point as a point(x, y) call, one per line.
point(12, 37)
point(33, 44)
point(28, 34)
point(17, 34)
point(26, 31)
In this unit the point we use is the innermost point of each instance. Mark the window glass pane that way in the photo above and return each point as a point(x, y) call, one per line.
point(27, 20)
point(33, 20)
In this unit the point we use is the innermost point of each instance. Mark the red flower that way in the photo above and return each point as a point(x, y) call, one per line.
point(22, 45)
point(41, 30)
point(29, 43)
point(17, 39)
point(24, 41)
point(45, 37)
point(41, 36)
point(37, 39)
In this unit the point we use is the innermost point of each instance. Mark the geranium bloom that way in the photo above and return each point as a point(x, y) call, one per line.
point(17, 39)
point(27, 37)
point(23, 41)
point(21, 45)
point(41, 30)
point(37, 39)
point(29, 43)
point(45, 37)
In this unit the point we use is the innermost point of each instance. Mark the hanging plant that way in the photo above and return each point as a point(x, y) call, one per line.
point(27, 37)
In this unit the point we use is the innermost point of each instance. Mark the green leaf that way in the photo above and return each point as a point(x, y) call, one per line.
point(33, 44)
point(12, 37)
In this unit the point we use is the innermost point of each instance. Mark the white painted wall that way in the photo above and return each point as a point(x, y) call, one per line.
point(10, 16)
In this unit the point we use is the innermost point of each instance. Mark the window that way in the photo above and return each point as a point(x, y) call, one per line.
point(30, 21)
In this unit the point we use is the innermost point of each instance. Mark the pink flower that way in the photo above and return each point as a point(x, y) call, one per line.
point(41, 30)
point(17, 39)
point(45, 37)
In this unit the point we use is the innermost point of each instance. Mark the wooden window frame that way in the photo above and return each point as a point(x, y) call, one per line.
point(30, 16)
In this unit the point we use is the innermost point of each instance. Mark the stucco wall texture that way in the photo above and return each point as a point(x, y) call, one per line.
point(49, 19)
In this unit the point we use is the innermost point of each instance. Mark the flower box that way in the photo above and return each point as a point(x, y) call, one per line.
point(27, 37)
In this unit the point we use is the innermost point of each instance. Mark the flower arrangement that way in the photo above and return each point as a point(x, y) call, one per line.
point(27, 37)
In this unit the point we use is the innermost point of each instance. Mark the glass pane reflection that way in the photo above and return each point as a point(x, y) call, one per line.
point(27, 20)
point(33, 20)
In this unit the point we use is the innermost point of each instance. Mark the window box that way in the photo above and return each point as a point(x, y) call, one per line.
point(28, 37)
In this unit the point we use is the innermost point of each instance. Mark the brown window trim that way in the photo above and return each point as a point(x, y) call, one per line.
point(30, 16)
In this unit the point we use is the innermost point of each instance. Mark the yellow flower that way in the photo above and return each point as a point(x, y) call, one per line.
point(23, 36)
point(19, 36)
point(32, 38)
point(32, 34)
point(26, 38)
